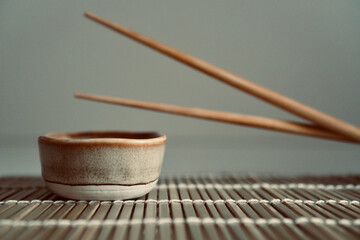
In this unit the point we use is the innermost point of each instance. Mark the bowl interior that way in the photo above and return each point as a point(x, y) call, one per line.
point(108, 134)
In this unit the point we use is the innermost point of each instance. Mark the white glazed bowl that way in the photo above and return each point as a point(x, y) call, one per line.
point(101, 165)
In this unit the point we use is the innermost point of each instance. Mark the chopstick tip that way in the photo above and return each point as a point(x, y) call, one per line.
point(78, 95)
point(84, 95)
point(89, 14)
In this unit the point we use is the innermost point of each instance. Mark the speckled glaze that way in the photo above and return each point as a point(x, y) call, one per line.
point(101, 159)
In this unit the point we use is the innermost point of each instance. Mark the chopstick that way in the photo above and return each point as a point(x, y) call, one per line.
point(252, 121)
point(290, 105)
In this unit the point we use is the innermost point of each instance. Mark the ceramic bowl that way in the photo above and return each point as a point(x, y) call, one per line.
point(101, 165)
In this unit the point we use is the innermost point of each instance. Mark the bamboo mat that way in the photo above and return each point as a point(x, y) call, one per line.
point(219, 206)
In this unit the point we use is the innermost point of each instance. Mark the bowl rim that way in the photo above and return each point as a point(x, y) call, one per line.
point(87, 138)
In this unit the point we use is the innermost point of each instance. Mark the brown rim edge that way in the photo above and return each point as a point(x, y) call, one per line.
point(109, 138)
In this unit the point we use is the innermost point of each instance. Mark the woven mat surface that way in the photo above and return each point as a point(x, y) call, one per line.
point(222, 206)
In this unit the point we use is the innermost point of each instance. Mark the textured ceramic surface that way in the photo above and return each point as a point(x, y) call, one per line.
point(93, 161)
point(100, 192)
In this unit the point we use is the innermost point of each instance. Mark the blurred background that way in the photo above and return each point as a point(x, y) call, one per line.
point(307, 50)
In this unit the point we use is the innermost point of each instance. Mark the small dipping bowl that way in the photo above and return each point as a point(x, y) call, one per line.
point(101, 165)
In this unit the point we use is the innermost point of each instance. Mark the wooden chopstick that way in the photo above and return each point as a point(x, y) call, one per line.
point(252, 121)
point(265, 94)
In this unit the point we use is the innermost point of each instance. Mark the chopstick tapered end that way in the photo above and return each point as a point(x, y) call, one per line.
point(92, 16)
point(80, 95)
point(88, 14)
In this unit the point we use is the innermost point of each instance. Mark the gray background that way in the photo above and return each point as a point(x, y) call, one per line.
point(307, 50)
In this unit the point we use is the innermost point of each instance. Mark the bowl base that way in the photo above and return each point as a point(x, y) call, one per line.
point(100, 192)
